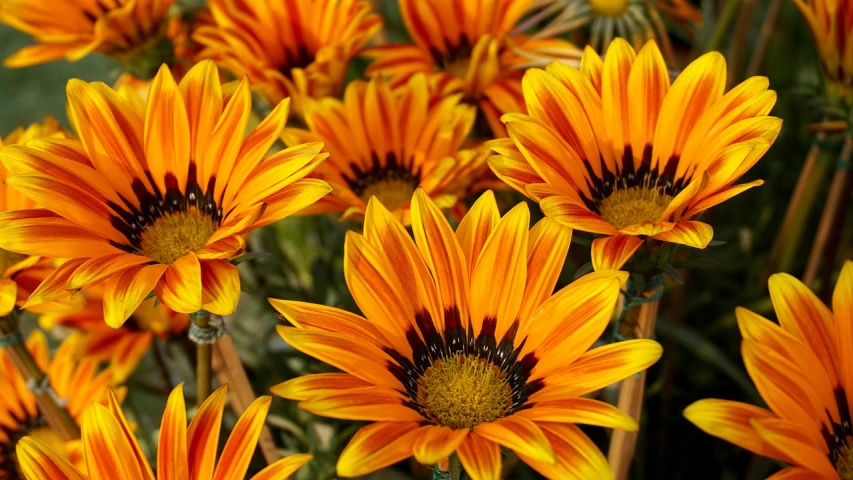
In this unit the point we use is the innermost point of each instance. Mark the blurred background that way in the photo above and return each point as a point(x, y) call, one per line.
point(696, 326)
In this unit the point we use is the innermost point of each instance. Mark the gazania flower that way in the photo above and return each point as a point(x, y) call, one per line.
point(16, 270)
point(72, 29)
point(465, 46)
point(463, 348)
point(77, 381)
point(157, 198)
point(289, 48)
point(112, 451)
point(613, 149)
point(124, 347)
point(803, 369)
point(831, 23)
point(637, 21)
point(386, 143)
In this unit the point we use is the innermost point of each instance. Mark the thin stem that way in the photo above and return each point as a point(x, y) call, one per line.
point(639, 322)
point(204, 357)
point(790, 234)
point(57, 416)
point(229, 370)
point(723, 23)
point(833, 217)
point(771, 18)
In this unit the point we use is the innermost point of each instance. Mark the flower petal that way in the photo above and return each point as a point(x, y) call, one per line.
point(220, 287)
point(203, 436)
point(126, 290)
point(377, 446)
point(611, 253)
point(436, 443)
point(374, 404)
point(172, 444)
point(180, 286)
point(243, 440)
point(577, 457)
point(284, 468)
point(586, 411)
point(518, 434)
point(692, 233)
point(318, 385)
point(731, 421)
point(786, 437)
point(481, 458)
point(39, 462)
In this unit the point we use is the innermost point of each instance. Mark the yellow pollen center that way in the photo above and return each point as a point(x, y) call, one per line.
point(464, 391)
point(7, 259)
point(174, 235)
point(609, 8)
point(634, 205)
point(844, 463)
point(394, 193)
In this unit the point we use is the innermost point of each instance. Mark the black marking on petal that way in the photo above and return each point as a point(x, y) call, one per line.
point(391, 169)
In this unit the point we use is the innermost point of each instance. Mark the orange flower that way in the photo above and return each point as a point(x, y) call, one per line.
point(386, 143)
point(122, 347)
point(112, 451)
point(72, 29)
point(803, 369)
point(613, 149)
point(288, 48)
point(465, 46)
point(156, 197)
point(75, 380)
point(831, 23)
point(20, 274)
point(463, 348)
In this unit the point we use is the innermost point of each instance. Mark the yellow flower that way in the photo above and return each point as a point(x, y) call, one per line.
point(462, 347)
point(72, 29)
point(613, 149)
point(831, 23)
point(123, 347)
point(386, 143)
point(289, 48)
point(17, 271)
point(77, 381)
point(112, 451)
point(803, 369)
point(637, 21)
point(157, 197)
point(465, 46)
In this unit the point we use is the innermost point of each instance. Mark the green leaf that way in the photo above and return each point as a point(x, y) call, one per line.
point(672, 272)
point(582, 270)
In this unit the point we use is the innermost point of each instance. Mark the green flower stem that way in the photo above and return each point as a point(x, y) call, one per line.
point(789, 237)
point(204, 360)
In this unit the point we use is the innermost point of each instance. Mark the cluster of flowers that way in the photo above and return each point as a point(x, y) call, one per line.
point(462, 347)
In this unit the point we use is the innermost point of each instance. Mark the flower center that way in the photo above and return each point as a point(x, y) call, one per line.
point(176, 234)
point(464, 391)
point(7, 259)
point(844, 461)
point(394, 193)
point(634, 205)
point(609, 8)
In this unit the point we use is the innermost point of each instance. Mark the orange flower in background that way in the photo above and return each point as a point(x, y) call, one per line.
point(462, 347)
point(465, 46)
point(123, 347)
point(72, 29)
point(803, 369)
point(19, 274)
point(288, 48)
point(386, 143)
point(75, 380)
point(112, 451)
point(831, 23)
point(613, 149)
point(156, 197)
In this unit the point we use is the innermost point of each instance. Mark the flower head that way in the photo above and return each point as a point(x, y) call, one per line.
point(123, 347)
point(462, 347)
point(386, 143)
point(831, 23)
point(19, 274)
point(112, 451)
point(72, 29)
point(75, 380)
point(613, 149)
point(803, 369)
point(638, 21)
point(289, 48)
point(466, 46)
point(157, 197)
